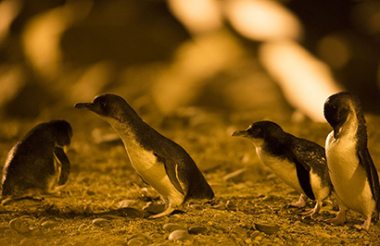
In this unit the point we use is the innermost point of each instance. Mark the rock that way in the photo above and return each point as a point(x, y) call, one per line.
point(198, 230)
point(255, 234)
point(236, 176)
point(197, 206)
point(100, 222)
point(19, 225)
point(136, 242)
point(138, 239)
point(49, 224)
point(179, 235)
point(10, 233)
point(126, 212)
point(267, 228)
point(153, 208)
point(219, 206)
point(126, 203)
point(170, 227)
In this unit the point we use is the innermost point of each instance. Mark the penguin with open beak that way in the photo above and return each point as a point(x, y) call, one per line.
point(300, 163)
point(37, 164)
point(352, 172)
point(159, 161)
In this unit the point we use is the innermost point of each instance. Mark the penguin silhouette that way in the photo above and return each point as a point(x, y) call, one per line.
point(300, 163)
point(352, 172)
point(37, 164)
point(159, 161)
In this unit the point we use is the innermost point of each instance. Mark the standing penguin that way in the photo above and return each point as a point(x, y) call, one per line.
point(300, 163)
point(159, 161)
point(37, 164)
point(352, 172)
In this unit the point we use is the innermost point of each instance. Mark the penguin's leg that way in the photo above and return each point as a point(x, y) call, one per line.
point(300, 203)
point(340, 218)
point(365, 225)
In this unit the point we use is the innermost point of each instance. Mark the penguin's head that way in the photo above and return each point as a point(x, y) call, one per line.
point(337, 109)
point(62, 131)
point(261, 130)
point(109, 106)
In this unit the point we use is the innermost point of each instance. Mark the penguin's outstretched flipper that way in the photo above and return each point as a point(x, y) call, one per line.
point(372, 176)
point(64, 163)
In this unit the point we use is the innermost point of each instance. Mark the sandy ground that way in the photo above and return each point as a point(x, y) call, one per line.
point(103, 200)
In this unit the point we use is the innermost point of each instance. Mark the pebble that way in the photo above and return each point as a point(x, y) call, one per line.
point(267, 228)
point(136, 242)
point(197, 206)
point(19, 225)
point(236, 176)
point(100, 222)
point(170, 227)
point(10, 233)
point(179, 235)
point(198, 230)
point(219, 206)
point(255, 234)
point(49, 224)
point(153, 208)
point(126, 203)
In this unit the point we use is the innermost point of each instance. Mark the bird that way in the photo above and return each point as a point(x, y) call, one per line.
point(37, 164)
point(159, 161)
point(351, 169)
point(300, 163)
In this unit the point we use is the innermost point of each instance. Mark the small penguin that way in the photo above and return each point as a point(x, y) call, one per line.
point(300, 163)
point(37, 164)
point(352, 172)
point(159, 161)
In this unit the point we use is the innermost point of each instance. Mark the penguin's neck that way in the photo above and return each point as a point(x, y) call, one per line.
point(349, 128)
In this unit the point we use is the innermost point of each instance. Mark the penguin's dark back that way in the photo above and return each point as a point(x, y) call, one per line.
point(31, 160)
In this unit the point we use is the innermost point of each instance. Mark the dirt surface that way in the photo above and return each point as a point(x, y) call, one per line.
point(103, 200)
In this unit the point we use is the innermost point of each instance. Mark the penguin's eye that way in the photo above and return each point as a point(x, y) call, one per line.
point(103, 105)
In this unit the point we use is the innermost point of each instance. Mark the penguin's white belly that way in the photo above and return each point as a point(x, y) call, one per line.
point(284, 169)
point(153, 172)
point(347, 176)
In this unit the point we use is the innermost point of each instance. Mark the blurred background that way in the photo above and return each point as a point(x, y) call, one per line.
point(180, 57)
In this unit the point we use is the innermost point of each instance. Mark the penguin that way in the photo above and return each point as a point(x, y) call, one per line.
point(37, 164)
point(300, 163)
point(352, 172)
point(159, 161)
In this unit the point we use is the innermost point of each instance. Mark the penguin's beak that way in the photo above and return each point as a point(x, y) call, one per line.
point(240, 133)
point(336, 132)
point(88, 106)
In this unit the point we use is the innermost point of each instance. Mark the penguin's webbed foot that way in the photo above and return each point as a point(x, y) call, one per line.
point(339, 219)
point(311, 212)
point(168, 211)
point(365, 225)
point(300, 203)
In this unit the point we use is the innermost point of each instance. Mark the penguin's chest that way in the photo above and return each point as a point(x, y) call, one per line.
point(283, 169)
point(152, 171)
point(347, 176)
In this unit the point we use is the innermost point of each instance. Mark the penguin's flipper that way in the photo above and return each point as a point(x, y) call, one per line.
point(65, 165)
point(304, 179)
point(171, 169)
point(366, 161)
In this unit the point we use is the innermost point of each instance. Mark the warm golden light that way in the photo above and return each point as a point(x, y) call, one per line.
point(197, 15)
point(263, 20)
point(305, 80)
